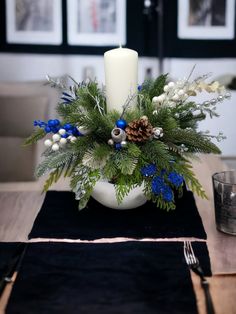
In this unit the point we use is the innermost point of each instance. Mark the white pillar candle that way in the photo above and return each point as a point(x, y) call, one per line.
point(121, 77)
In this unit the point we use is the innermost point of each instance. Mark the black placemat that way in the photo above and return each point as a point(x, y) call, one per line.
point(7, 250)
point(131, 277)
point(60, 218)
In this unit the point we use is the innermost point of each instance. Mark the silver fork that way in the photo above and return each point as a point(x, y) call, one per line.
point(193, 263)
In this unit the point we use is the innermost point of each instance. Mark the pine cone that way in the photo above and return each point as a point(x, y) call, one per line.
point(139, 130)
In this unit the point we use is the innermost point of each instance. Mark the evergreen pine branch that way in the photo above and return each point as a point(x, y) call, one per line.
point(132, 114)
point(148, 109)
point(187, 115)
point(53, 178)
point(165, 120)
point(70, 167)
point(55, 160)
point(37, 135)
point(56, 83)
point(154, 88)
point(124, 184)
point(158, 153)
point(125, 162)
point(110, 170)
point(158, 85)
point(100, 125)
point(191, 121)
point(80, 146)
point(133, 150)
point(69, 110)
point(89, 96)
point(96, 157)
point(158, 199)
point(82, 183)
point(194, 141)
point(185, 169)
point(160, 203)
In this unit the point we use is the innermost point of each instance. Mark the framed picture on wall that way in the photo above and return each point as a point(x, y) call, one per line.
point(96, 22)
point(206, 19)
point(34, 22)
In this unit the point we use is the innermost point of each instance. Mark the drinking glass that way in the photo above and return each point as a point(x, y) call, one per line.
point(224, 190)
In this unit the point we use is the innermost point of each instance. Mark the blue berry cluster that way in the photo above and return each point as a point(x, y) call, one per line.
point(39, 123)
point(51, 126)
point(70, 130)
point(121, 124)
point(140, 88)
point(54, 125)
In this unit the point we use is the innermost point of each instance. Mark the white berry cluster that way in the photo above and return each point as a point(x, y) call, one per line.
point(173, 93)
point(58, 140)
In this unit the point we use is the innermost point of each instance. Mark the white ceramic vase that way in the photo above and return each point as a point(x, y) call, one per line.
point(104, 193)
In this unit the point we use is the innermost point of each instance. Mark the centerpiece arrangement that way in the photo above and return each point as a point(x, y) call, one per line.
point(133, 137)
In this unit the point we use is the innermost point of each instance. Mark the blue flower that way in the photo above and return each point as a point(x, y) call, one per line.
point(175, 178)
point(167, 193)
point(149, 170)
point(160, 188)
point(139, 88)
point(157, 185)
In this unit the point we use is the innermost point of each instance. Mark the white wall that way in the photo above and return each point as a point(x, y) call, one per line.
point(28, 67)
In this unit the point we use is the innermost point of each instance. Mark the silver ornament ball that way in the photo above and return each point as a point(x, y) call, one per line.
point(157, 132)
point(220, 97)
point(110, 142)
point(118, 135)
point(123, 144)
point(213, 101)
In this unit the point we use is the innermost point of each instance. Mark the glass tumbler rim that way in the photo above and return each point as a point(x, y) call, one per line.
point(214, 177)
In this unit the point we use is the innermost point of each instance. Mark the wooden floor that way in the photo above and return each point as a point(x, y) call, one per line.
point(20, 203)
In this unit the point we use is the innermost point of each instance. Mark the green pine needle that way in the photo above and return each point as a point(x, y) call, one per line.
point(37, 135)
